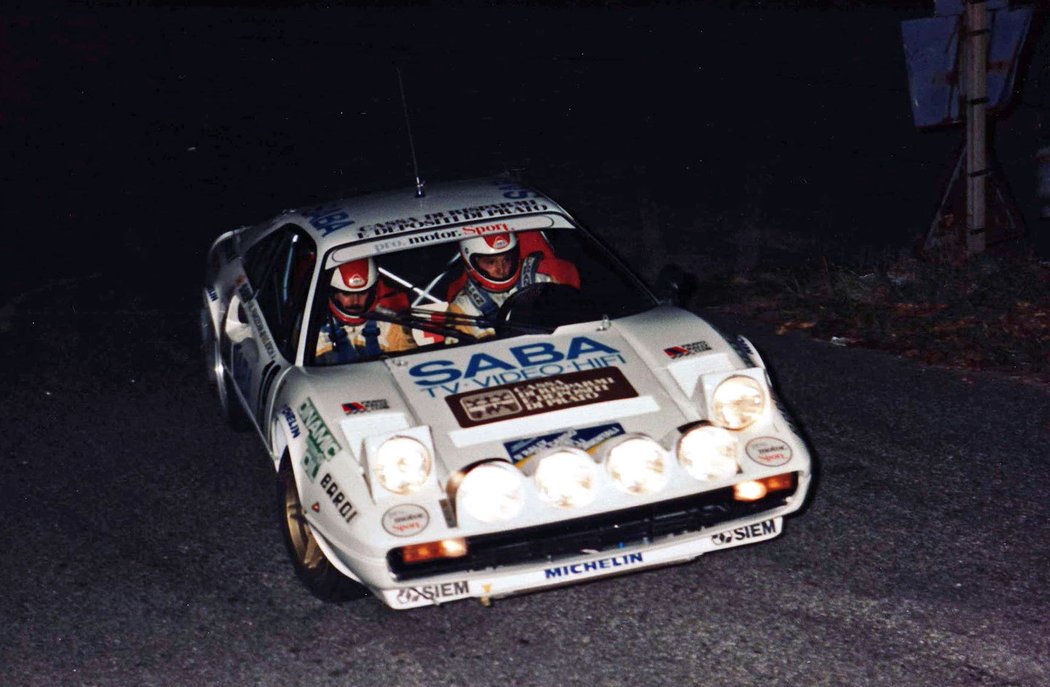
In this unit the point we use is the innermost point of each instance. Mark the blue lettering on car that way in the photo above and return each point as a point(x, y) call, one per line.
point(436, 372)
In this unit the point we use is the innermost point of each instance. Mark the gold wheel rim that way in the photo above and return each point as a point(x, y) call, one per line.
point(304, 543)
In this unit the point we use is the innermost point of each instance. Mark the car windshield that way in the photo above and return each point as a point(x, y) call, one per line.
point(419, 299)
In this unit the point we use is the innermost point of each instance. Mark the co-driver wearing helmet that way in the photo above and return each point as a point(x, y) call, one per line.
point(348, 333)
point(495, 270)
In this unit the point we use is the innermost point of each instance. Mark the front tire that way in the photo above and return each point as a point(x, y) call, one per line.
point(311, 565)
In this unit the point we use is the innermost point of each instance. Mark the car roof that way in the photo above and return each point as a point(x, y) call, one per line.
point(367, 217)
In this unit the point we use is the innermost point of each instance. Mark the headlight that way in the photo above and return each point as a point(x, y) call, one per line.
point(737, 402)
point(402, 465)
point(567, 478)
point(637, 465)
point(492, 492)
point(708, 453)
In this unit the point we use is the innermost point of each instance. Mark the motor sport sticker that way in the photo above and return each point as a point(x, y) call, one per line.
point(405, 520)
point(584, 438)
point(675, 352)
point(459, 233)
point(541, 396)
point(357, 407)
point(518, 363)
point(748, 534)
point(320, 444)
point(430, 593)
point(768, 451)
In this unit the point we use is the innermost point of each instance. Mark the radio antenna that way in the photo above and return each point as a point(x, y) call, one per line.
point(411, 144)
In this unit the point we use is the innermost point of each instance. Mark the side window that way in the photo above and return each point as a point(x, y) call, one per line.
point(258, 258)
point(282, 290)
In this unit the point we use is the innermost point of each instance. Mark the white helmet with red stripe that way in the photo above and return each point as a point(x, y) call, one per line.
point(489, 248)
point(354, 277)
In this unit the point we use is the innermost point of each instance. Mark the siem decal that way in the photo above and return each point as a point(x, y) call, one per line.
point(355, 407)
point(530, 361)
point(675, 352)
point(432, 592)
point(213, 295)
point(759, 529)
point(522, 399)
point(405, 520)
point(339, 500)
point(584, 438)
point(321, 445)
point(592, 566)
point(768, 451)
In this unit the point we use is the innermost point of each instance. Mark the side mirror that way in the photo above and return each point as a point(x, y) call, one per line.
point(674, 286)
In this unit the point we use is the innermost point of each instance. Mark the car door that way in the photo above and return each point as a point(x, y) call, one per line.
point(266, 315)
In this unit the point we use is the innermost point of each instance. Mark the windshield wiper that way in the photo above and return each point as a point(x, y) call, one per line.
point(482, 322)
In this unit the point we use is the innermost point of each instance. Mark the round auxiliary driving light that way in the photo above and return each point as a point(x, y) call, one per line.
point(492, 492)
point(567, 478)
point(402, 465)
point(737, 402)
point(708, 453)
point(637, 465)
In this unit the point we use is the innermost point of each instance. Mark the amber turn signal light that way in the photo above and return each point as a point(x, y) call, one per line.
point(446, 548)
point(753, 490)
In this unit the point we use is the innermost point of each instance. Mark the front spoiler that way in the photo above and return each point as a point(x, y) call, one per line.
point(494, 584)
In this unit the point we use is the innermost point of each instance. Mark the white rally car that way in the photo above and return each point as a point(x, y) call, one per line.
point(596, 431)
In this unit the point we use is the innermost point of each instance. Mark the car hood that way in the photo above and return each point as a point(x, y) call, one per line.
point(584, 383)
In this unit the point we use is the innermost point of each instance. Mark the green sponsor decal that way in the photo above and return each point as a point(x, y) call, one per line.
point(320, 444)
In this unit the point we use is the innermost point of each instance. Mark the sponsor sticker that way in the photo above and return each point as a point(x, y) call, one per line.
point(289, 417)
point(405, 520)
point(328, 218)
point(212, 294)
point(487, 370)
point(338, 498)
point(675, 352)
point(321, 445)
point(739, 535)
point(523, 399)
point(610, 563)
point(483, 213)
point(768, 451)
point(584, 438)
point(355, 407)
point(433, 593)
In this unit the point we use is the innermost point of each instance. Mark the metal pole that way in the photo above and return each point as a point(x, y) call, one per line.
point(976, 118)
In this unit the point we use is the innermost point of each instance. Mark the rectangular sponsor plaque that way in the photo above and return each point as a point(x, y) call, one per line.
point(521, 399)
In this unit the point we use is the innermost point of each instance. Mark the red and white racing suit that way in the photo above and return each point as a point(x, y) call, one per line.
point(474, 300)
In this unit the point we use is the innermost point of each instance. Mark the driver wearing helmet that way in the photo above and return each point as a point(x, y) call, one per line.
point(495, 270)
point(348, 333)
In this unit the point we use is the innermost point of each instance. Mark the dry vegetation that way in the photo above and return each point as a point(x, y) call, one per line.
point(992, 313)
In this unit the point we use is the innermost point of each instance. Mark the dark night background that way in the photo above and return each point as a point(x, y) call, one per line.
point(137, 531)
point(134, 132)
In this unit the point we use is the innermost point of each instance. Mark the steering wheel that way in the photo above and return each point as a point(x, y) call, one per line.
point(547, 305)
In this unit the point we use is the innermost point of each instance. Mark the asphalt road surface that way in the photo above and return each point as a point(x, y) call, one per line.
point(140, 544)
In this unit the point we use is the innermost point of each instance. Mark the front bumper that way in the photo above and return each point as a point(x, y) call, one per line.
point(493, 584)
point(621, 541)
